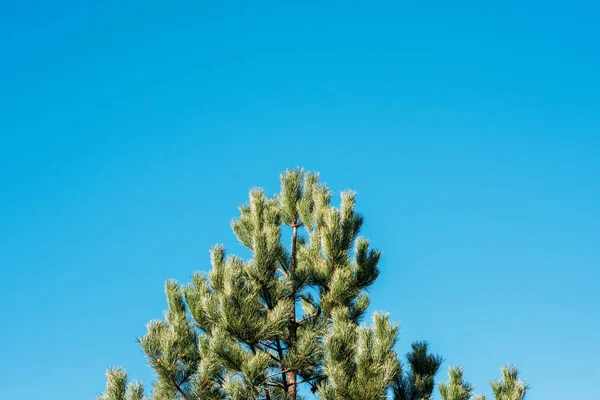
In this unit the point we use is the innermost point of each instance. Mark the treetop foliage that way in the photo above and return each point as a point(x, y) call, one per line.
point(287, 322)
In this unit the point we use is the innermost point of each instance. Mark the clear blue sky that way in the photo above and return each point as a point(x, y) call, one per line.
point(130, 132)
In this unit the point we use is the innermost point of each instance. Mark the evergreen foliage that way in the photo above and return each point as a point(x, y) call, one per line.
point(456, 388)
point(290, 316)
point(418, 383)
point(360, 362)
point(118, 389)
point(510, 386)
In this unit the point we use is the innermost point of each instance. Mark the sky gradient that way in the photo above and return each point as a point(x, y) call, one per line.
point(130, 133)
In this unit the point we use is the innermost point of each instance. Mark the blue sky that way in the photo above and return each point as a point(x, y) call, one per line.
point(130, 132)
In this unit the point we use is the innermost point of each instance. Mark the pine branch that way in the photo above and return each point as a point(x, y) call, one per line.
point(181, 392)
point(309, 379)
point(282, 271)
point(283, 371)
point(271, 347)
point(306, 318)
point(280, 353)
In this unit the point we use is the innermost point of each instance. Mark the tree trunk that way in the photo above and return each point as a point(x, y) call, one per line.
point(292, 324)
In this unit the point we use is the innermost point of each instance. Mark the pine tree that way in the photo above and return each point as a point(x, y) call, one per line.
point(288, 317)
point(260, 328)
